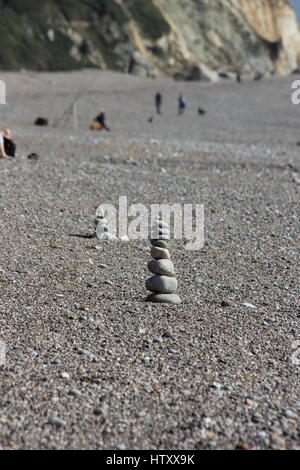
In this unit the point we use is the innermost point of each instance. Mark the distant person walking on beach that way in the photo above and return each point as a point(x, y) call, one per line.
point(181, 104)
point(158, 101)
point(99, 123)
point(7, 147)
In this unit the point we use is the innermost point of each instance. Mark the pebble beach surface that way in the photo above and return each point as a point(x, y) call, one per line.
point(86, 362)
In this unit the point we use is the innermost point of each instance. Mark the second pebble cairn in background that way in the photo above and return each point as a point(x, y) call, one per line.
point(102, 229)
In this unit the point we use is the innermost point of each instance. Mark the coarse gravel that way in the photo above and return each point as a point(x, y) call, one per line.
point(89, 364)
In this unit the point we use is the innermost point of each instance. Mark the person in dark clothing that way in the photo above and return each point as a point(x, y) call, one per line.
point(158, 101)
point(7, 146)
point(258, 76)
point(101, 119)
point(181, 104)
point(99, 123)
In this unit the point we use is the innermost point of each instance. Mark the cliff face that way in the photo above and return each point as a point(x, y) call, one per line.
point(276, 23)
point(189, 39)
point(248, 35)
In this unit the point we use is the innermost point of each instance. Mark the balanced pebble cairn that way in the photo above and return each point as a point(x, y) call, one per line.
point(163, 284)
point(102, 228)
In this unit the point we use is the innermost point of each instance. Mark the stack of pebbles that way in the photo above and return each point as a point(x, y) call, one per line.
point(102, 228)
point(163, 284)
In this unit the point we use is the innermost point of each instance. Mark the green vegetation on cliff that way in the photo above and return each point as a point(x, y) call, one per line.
point(27, 43)
point(148, 17)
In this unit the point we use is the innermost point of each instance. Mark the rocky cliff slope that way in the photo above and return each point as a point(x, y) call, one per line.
point(188, 39)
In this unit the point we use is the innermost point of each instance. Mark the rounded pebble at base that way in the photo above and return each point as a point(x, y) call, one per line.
point(164, 299)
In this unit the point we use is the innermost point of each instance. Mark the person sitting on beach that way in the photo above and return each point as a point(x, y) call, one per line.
point(7, 147)
point(99, 123)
